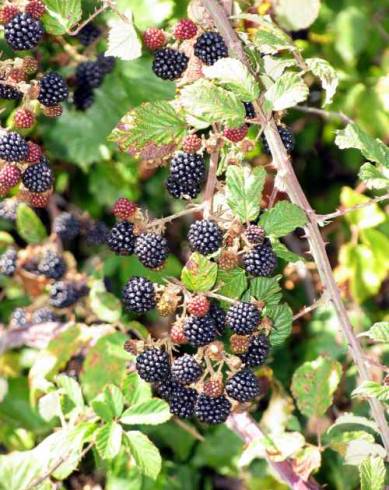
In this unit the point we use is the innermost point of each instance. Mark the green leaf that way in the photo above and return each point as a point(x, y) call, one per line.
point(350, 422)
point(232, 283)
point(135, 389)
point(5, 241)
point(281, 316)
point(339, 442)
point(234, 76)
point(313, 385)
point(244, 191)
point(275, 66)
point(123, 41)
point(145, 453)
point(61, 15)
point(283, 253)
point(282, 219)
point(104, 305)
point(269, 39)
point(206, 104)
point(29, 226)
point(374, 177)
point(327, 74)
point(71, 388)
point(109, 404)
point(379, 332)
point(372, 473)
point(266, 289)
point(109, 440)
point(150, 412)
point(378, 243)
point(350, 33)
point(49, 406)
point(358, 451)
point(371, 389)
point(294, 15)
point(287, 91)
point(199, 273)
point(365, 217)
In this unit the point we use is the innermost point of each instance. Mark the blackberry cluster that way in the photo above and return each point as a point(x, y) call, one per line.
point(65, 293)
point(200, 331)
point(7, 92)
point(243, 386)
point(261, 260)
point(182, 401)
point(210, 47)
point(257, 351)
point(287, 138)
point(186, 369)
point(66, 226)
point(8, 262)
point(52, 265)
point(38, 177)
point(212, 410)
point(151, 249)
point(243, 318)
point(44, 315)
point(121, 239)
point(88, 34)
point(138, 295)
point(205, 237)
point(187, 173)
point(169, 64)
point(52, 89)
point(153, 365)
point(13, 147)
point(23, 32)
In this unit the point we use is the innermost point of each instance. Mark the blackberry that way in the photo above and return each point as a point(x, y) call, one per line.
point(210, 47)
point(106, 63)
point(24, 118)
point(124, 208)
point(7, 92)
point(205, 237)
point(64, 294)
point(83, 97)
point(44, 315)
point(151, 249)
point(198, 305)
point(153, 365)
point(154, 38)
point(182, 401)
point(13, 147)
point(52, 89)
point(8, 262)
point(212, 410)
point(19, 318)
point(236, 134)
point(89, 74)
point(38, 177)
point(186, 370)
point(97, 233)
point(192, 143)
point(169, 64)
point(249, 109)
point(138, 295)
point(178, 190)
point(243, 318)
point(88, 34)
point(200, 331)
point(8, 208)
point(121, 239)
point(52, 265)
point(218, 315)
point(243, 386)
point(187, 167)
point(255, 234)
point(185, 29)
point(66, 226)
point(257, 351)
point(165, 388)
point(287, 138)
point(261, 260)
point(23, 32)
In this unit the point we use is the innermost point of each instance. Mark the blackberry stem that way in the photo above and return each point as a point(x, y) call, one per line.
point(172, 217)
point(211, 184)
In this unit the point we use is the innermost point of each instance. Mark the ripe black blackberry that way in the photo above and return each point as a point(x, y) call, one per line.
point(257, 351)
point(164, 389)
point(187, 167)
point(96, 233)
point(66, 226)
point(151, 249)
point(38, 177)
point(249, 109)
point(7, 92)
point(210, 47)
point(121, 239)
point(153, 365)
point(23, 32)
point(107, 63)
point(178, 190)
point(65, 293)
point(182, 401)
point(243, 318)
point(83, 97)
point(212, 410)
point(243, 386)
point(88, 34)
point(261, 260)
point(13, 147)
point(169, 64)
point(52, 89)
point(19, 318)
point(138, 295)
point(186, 369)
point(255, 234)
point(8, 262)
point(205, 236)
point(218, 315)
point(287, 138)
point(200, 330)
point(44, 315)
point(89, 74)
point(52, 265)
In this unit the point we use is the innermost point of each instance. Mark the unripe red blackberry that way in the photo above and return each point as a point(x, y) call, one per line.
point(235, 134)
point(182, 401)
point(255, 234)
point(23, 32)
point(66, 226)
point(192, 143)
point(200, 331)
point(210, 47)
point(205, 237)
point(261, 260)
point(17, 75)
point(228, 260)
point(37, 200)
point(34, 153)
point(30, 65)
point(8, 262)
point(8, 92)
point(52, 265)
point(287, 138)
point(153, 365)
point(169, 64)
point(257, 351)
point(179, 190)
point(88, 34)
point(7, 13)
point(121, 239)
point(13, 147)
point(185, 29)
point(239, 343)
point(38, 177)
point(53, 89)
point(154, 38)
point(212, 410)
point(243, 318)
point(151, 249)
point(36, 8)
point(53, 111)
point(243, 386)
point(214, 387)
point(24, 118)
point(186, 370)
point(124, 209)
point(89, 73)
point(198, 306)
point(177, 335)
point(10, 176)
point(138, 295)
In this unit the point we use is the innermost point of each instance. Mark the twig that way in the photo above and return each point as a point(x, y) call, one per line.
point(326, 114)
point(342, 212)
point(187, 428)
point(211, 184)
point(321, 301)
point(222, 298)
point(89, 19)
point(168, 219)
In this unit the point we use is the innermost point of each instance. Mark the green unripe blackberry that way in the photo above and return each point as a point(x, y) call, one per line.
point(212, 410)
point(138, 295)
point(243, 318)
point(186, 369)
point(153, 365)
point(205, 237)
point(243, 386)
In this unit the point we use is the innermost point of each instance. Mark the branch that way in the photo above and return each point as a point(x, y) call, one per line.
point(296, 194)
point(321, 301)
point(211, 184)
point(342, 212)
point(326, 114)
